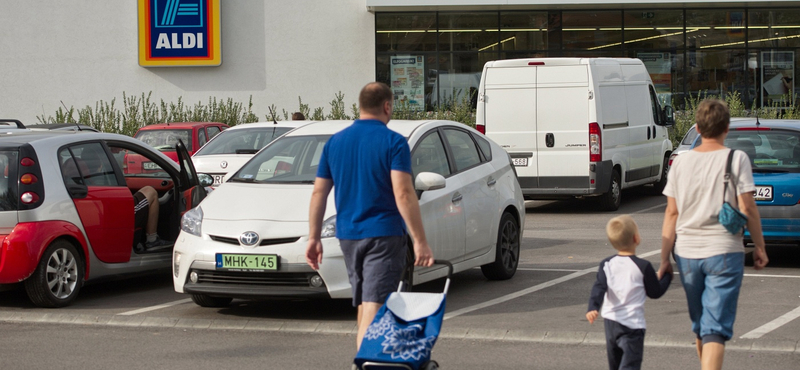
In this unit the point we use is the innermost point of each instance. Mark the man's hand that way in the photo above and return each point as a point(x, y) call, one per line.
point(665, 268)
point(314, 253)
point(423, 253)
point(760, 259)
point(591, 316)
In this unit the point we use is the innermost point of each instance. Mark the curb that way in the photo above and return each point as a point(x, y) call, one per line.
point(348, 328)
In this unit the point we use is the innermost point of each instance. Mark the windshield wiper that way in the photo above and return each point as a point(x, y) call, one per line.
point(765, 170)
point(239, 179)
point(246, 151)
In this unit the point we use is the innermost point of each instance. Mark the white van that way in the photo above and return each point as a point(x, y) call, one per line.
point(577, 127)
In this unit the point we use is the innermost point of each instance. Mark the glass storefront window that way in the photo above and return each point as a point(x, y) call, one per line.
point(458, 77)
point(707, 28)
point(776, 28)
point(405, 32)
point(522, 31)
point(468, 31)
point(653, 29)
point(411, 76)
point(591, 30)
point(717, 72)
point(666, 71)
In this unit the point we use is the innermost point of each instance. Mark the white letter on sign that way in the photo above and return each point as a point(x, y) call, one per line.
point(163, 41)
point(188, 40)
point(199, 40)
point(175, 43)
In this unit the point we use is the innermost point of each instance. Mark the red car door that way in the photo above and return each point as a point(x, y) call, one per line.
point(189, 185)
point(104, 205)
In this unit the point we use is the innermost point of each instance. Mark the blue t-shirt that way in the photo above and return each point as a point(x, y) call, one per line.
point(359, 161)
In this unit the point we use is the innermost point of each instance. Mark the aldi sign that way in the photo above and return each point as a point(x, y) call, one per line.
point(179, 33)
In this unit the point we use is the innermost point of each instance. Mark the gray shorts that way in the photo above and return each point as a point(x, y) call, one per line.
point(375, 266)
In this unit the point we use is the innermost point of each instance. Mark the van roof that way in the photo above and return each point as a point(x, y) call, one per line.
point(561, 61)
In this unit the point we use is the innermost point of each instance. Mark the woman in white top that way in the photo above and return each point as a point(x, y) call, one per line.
point(710, 259)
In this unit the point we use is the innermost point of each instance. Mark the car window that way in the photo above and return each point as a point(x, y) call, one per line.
point(134, 164)
point(485, 147)
point(165, 140)
point(201, 137)
point(768, 150)
point(87, 164)
point(654, 105)
point(464, 150)
point(8, 169)
point(690, 136)
point(212, 131)
point(289, 160)
point(429, 156)
point(242, 141)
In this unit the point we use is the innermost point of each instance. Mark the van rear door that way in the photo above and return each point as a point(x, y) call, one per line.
point(509, 104)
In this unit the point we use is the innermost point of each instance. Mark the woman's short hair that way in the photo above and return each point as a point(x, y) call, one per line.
point(372, 97)
point(620, 231)
point(713, 118)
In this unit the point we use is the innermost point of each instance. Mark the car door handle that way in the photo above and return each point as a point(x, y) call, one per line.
point(491, 181)
point(457, 197)
point(648, 132)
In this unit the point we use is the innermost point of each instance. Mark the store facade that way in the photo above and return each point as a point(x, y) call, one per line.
point(434, 53)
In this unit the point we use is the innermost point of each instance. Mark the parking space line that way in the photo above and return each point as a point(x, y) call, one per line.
point(532, 289)
point(772, 325)
point(156, 307)
point(534, 269)
point(649, 209)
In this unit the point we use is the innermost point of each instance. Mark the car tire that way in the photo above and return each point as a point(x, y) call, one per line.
point(58, 277)
point(611, 200)
point(203, 300)
point(658, 187)
point(506, 257)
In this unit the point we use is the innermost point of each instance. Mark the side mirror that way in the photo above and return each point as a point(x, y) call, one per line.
point(429, 181)
point(205, 179)
point(667, 115)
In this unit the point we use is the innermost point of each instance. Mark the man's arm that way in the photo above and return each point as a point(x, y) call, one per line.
point(319, 199)
point(408, 205)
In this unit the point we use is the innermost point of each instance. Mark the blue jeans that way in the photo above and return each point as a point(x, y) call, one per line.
point(712, 291)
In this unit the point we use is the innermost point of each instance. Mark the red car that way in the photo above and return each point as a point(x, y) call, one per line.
point(164, 136)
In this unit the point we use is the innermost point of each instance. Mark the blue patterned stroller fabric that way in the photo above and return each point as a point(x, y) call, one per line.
point(404, 330)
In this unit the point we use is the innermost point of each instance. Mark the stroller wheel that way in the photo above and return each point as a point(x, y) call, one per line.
point(431, 365)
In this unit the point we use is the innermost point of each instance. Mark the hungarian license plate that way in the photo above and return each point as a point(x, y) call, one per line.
point(247, 262)
point(150, 166)
point(519, 161)
point(218, 177)
point(763, 192)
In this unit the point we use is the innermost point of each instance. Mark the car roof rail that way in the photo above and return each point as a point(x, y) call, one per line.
point(18, 122)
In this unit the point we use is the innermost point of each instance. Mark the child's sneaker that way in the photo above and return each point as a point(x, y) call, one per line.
point(158, 244)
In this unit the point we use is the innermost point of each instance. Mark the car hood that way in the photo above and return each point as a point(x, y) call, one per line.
point(261, 202)
point(212, 164)
point(784, 187)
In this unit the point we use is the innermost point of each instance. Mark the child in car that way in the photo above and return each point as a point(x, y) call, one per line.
point(623, 280)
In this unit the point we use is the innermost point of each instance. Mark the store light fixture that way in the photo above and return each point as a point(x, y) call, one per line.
point(498, 43)
point(641, 39)
point(751, 41)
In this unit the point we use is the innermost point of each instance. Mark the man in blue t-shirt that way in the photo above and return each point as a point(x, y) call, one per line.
point(370, 166)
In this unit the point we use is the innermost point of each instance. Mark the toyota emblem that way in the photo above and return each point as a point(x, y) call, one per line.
point(223, 164)
point(248, 238)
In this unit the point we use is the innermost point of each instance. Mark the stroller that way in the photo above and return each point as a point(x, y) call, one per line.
point(404, 330)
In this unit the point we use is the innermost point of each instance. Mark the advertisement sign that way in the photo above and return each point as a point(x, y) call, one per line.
point(179, 33)
point(659, 66)
point(777, 78)
point(408, 80)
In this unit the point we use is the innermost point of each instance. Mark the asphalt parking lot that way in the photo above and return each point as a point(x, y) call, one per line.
point(544, 303)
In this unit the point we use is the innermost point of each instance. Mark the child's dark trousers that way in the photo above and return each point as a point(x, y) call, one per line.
point(625, 346)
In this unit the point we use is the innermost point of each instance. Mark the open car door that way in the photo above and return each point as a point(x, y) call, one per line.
point(190, 188)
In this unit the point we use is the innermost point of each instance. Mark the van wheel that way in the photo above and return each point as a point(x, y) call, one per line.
point(658, 187)
point(506, 257)
point(203, 300)
point(610, 201)
point(58, 277)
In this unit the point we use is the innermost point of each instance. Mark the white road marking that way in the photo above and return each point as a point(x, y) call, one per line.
point(533, 269)
point(156, 307)
point(772, 325)
point(651, 208)
point(532, 289)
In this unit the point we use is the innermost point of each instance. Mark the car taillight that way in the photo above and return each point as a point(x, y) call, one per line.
point(671, 158)
point(752, 129)
point(27, 162)
point(481, 128)
point(29, 197)
point(28, 179)
point(595, 151)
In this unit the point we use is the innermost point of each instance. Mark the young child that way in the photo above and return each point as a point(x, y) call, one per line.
point(622, 282)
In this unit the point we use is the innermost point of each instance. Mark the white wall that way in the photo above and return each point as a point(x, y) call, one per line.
point(80, 52)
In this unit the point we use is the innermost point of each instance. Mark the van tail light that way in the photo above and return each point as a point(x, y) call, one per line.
point(595, 141)
point(535, 63)
point(481, 128)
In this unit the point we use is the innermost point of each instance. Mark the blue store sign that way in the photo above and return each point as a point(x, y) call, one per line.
point(179, 33)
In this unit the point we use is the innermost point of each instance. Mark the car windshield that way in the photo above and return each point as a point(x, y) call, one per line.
point(292, 160)
point(165, 140)
point(769, 150)
point(690, 135)
point(242, 141)
point(8, 189)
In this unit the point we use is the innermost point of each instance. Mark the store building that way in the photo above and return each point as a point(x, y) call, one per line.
point(430, 51)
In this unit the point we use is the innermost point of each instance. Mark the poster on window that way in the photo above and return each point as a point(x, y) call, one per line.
point(408, 81)
point(659, 66)
point(777, 78)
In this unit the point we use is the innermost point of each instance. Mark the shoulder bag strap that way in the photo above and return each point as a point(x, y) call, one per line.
point(728, 174)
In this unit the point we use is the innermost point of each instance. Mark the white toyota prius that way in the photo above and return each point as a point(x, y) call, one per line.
point(248, 238)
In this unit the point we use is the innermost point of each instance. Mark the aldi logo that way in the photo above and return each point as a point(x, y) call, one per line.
point(179, 33)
